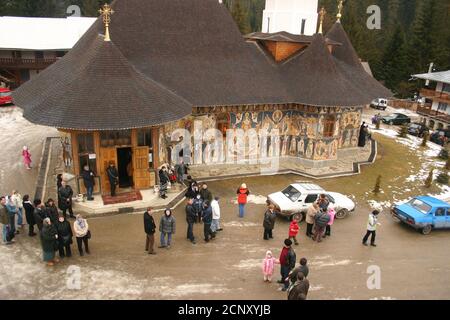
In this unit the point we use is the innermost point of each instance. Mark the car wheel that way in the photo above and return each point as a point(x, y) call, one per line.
point(426, 230)
point(300, 216)
point(341, 214)
point(390, 123)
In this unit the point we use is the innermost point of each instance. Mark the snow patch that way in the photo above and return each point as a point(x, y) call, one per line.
point(256, 199)
point(240, 224)
point(379, 205)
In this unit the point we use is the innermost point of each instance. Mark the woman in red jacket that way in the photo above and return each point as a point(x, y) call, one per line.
point(242, 193)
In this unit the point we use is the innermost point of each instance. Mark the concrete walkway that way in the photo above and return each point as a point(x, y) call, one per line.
point(348, 163)
point(96, 207)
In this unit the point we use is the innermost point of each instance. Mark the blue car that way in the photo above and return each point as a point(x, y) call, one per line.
point(424, 213)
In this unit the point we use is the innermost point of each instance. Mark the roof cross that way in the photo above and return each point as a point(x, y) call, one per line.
point(106, 12)
point(322, 14)
point(340, 7)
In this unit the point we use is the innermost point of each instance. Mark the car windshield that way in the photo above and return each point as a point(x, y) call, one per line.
point(419, 205)
point(292, 193)
point(5, 94)
point(331, 199)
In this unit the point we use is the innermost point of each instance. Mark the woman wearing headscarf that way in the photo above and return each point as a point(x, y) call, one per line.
point(81, 228)
point(49, 237)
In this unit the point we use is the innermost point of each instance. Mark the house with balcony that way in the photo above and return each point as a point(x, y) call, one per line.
point(435, 111)
point(29, 45)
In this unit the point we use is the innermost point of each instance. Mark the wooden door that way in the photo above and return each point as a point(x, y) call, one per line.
point(141, 174)
point(106, 155)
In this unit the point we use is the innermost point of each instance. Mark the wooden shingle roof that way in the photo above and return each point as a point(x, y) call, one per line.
point(168, 56)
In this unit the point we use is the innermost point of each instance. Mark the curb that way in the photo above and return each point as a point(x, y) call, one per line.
point(44, 165)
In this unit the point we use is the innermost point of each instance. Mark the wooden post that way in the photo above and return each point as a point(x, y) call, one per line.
point(76, 159)
point(97, 150)
point(155, 137)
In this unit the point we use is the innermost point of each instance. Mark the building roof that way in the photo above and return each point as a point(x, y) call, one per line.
point(321, 83)
point(99, 90)
point(443, 76)
point(286, 37)
point(194, 49)
point(350, 65)
point(367, 68)
point(21, 33)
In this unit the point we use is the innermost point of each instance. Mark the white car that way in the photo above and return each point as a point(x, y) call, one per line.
point(298, 197)
point(379, 104)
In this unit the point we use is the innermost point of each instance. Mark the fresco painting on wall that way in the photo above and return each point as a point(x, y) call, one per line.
point(350, 123)
point(299, 135)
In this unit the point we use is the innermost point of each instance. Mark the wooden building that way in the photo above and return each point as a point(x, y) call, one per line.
point(170, 64)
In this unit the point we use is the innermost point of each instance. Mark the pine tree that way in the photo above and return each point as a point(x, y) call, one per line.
point(240, 16)
point(425, 138)
point(403, 131)
point(395, 62)
point(443, 178)
point(429, 179)
point(377, 188)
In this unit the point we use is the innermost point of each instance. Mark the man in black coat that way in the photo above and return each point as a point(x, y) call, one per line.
point(269, 222)
point(29, 213)
point(207, 220)
point(149, 228)
point(192, 191)
point(191, 217)
point(65, 194)
point(65, 236)
point(113, 177)
point(89, 182)
point(39, 213)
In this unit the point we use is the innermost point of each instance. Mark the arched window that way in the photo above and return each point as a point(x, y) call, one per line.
point(329, 126)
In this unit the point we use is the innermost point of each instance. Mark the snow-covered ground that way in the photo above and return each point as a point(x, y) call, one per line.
point(15, 133)
point(428, 159)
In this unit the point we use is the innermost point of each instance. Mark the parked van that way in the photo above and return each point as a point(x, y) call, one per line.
point(380, 104)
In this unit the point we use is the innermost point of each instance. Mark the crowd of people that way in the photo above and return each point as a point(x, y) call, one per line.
point(201, 208)
point(53, 227)
point(169, 175)
point(56, 232)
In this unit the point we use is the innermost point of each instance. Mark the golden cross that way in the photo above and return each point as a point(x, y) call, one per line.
point(322, 14)
point(106, 12)
point(340, 7)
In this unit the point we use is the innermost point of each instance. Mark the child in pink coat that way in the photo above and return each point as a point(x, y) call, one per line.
point(332, 214)
point(269, 266)
point(26, 157)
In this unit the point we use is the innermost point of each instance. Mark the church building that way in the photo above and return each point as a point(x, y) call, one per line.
point(164, 66)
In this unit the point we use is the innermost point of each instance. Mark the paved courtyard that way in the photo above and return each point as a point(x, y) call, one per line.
point(413, 266)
